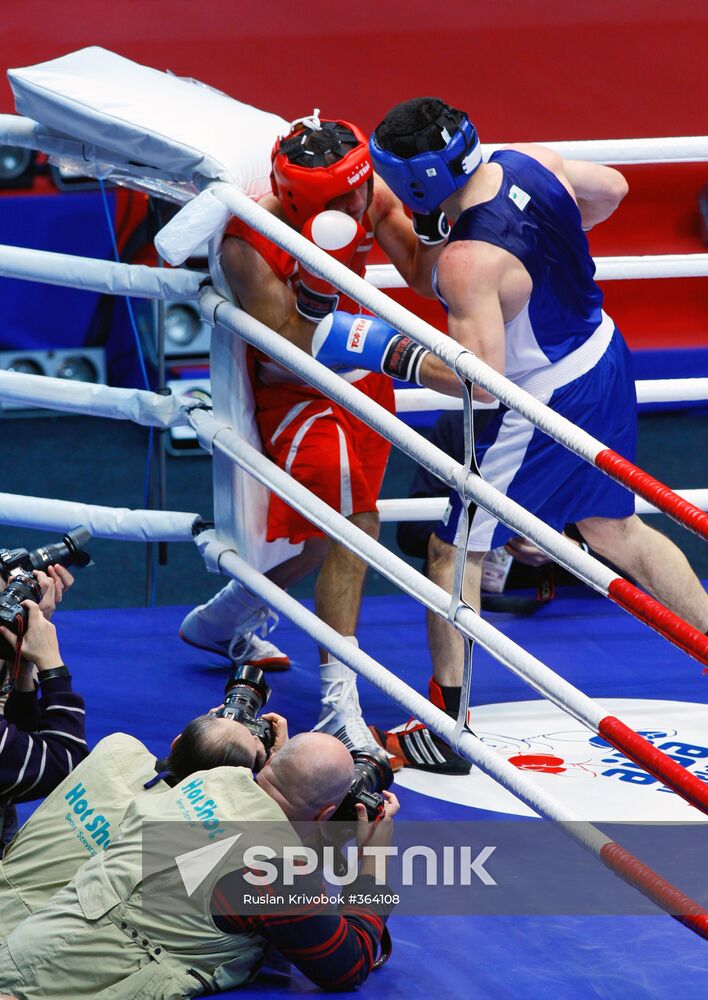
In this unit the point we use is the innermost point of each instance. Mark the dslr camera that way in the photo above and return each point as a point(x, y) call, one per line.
point(16, 566)
point(246, 693)
point(372, 776)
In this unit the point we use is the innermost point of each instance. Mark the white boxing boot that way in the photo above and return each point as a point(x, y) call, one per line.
point(341, 713)
point(235, 623)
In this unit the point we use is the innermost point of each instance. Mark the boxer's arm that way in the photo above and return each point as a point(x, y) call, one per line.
point(597, 189)
point(261, 293)
point(470, 277)
point(394, 233)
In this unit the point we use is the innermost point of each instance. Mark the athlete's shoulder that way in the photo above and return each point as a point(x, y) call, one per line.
point(466, 264)
point(548, 158)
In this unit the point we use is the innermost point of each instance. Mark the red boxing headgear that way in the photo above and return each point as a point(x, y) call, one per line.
point(302, 179)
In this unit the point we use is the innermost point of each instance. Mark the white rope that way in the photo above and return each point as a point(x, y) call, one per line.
point(138, 405)
point(669, 390)
point(90, 274)
point(672, 265)
point(592, 572)
point(214, 435)
point(433, 508)
point(452, 354)
point(103, 522)
point(672, 149)
point(228, 561)
point(19, 131)
point(585, 834)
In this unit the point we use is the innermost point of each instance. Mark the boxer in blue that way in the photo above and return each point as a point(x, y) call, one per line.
point(517, 280)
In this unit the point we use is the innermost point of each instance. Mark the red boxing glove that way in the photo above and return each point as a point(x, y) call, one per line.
point(340, 236)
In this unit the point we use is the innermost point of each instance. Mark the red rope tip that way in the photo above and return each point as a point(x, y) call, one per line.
point(654, 614)
point(655, 492)
point(655, 761)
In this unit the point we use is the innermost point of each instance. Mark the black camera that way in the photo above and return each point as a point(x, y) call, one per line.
point(22, 587)
point(372, 776)
point(68, 552)
point(246, 694)
point(16, 567)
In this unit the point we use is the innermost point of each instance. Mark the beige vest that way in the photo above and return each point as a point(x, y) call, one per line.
point(104, 937)
point(75, 822)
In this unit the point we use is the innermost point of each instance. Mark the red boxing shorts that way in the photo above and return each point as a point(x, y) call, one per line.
point(325, 448)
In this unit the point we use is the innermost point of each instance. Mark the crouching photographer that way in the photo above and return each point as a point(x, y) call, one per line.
point(96, 934)
point(36, 749)
point(42, 733)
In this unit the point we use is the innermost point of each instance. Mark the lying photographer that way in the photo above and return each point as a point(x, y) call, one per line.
point(335, 948)
point(42, 734)
point(96, 935)
point(82, 814)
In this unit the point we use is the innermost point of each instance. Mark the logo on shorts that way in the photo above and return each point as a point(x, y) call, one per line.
point(357, 335)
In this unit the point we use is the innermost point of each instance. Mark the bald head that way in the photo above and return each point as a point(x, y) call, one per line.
point(209, 741)
point(310, 773)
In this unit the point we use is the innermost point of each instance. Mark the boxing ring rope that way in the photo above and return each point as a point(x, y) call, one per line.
point(463, 362)
point(433, 508)
point(689, 265)
point(535, 673)
point(213, 434)
point(664, 149)
point(178, 284)
point(581, 564)
point(139, 405)
point(102, 522)
point(674, 902)
point(612, 854)
point(661, 390)
point(140, 280)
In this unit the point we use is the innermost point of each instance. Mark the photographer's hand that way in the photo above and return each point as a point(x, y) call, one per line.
point(54, 583)
point(280, 729)
point(377, 834)
point(40, 644)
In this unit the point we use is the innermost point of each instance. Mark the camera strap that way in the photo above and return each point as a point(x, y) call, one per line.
point(15, 671)
point(386, 947)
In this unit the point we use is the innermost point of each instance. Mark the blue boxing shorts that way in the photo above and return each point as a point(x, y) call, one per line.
point(541, 475)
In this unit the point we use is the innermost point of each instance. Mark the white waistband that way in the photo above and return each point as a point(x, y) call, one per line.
point(573, 365)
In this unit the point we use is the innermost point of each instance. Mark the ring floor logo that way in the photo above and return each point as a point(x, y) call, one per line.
point(580, 769)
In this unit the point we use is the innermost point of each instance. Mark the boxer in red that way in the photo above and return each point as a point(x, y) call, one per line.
point(323, 186)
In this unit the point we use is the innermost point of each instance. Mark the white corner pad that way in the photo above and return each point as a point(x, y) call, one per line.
point(193, 226)
point(211, 549)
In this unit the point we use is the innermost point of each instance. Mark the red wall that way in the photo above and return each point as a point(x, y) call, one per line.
point(523, 69)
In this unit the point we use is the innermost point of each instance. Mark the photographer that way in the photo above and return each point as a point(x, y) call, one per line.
point(334, 949)
point(95, 935)
point(42, 737)
point(83, 813)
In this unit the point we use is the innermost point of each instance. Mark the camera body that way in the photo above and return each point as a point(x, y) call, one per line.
point(246, 694)
point(22, 587)
point(372, 776)
point(16, 568)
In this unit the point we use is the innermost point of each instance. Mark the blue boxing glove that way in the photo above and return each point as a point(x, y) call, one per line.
point(344, 342)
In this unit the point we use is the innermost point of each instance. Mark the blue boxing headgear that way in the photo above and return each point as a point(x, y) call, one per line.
point(424, 180)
